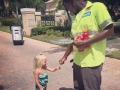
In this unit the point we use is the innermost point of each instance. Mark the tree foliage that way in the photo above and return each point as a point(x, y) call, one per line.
point(113, 7)
point(13, 6)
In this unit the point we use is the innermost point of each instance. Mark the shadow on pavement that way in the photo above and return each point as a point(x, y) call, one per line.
point(18, 42)
point(1, 87)
point(63, 88)
point(56, 50)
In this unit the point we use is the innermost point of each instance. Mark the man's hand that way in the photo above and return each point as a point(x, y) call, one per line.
point(79, 43)
point(62, 60)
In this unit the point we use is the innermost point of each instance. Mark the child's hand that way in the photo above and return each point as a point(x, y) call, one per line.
point(41, 89)
point(58, 68)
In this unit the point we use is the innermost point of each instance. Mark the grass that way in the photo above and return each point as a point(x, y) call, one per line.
point(45, 38)
point(5, 28)
point(114, 54)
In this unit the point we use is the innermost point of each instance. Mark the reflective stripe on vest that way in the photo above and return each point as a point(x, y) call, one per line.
point(90, 33)
point(105, 23)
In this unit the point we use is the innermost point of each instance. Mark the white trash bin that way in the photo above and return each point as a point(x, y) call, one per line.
point(17, 34)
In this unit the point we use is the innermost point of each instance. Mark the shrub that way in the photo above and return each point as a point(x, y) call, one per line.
point(50, 32)
point(67, 33)
point(9, 21)
point(39, 30)
point(58, 33)
point(55, 30)
point(34, 31)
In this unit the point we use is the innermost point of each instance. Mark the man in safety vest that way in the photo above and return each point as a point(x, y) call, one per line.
point(90, 28)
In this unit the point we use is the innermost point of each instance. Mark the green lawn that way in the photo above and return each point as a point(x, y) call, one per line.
point(114, 54)
point(45, 38)
point(5, 28)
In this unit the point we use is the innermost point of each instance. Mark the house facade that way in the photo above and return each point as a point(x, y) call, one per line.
point(51, 6)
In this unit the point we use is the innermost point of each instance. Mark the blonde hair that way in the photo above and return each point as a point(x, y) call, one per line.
point(38, 61)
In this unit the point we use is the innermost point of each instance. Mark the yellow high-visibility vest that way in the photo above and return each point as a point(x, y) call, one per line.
point(94, 18)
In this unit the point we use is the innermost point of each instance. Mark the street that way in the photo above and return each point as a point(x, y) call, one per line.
point(16, 66)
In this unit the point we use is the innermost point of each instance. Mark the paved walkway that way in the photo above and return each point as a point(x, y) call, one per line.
point(16, 66)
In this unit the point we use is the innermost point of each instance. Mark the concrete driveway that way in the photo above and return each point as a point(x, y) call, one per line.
point(16, 66)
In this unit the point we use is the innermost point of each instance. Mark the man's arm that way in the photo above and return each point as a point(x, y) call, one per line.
point(105, 23)
point(108, 31)
point(67, 53)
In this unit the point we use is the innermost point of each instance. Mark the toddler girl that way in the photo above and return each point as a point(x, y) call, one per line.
point(40, 72)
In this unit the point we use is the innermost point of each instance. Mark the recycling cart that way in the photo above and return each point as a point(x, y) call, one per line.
point(17, 34)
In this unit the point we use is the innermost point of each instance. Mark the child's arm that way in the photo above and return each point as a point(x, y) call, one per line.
point(53, 69)
point(36, 74)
